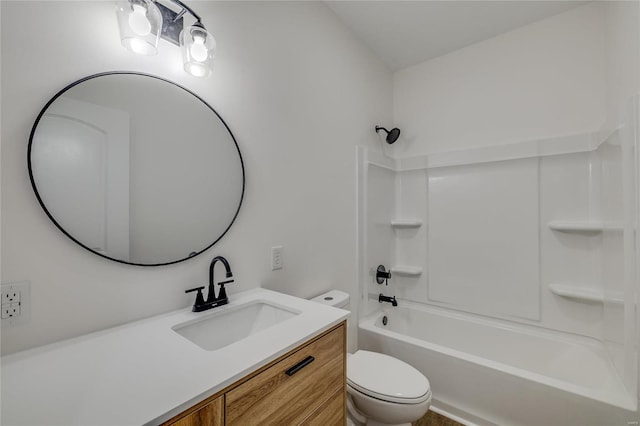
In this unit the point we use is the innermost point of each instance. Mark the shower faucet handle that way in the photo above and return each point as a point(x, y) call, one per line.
point(382, 275)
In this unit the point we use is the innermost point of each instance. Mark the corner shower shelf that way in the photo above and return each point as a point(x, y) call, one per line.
point(584, 295)
point(407, 271)
point(406, 223)
point(583, 226)
point(576, 226)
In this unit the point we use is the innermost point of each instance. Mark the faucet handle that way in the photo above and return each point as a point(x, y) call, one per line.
point(199, 297)
point(383, 275)
point(222, 294)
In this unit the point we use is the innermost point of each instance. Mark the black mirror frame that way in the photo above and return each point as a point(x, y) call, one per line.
point(50, 216)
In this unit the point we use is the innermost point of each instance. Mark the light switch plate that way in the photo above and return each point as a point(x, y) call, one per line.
point(276, 258)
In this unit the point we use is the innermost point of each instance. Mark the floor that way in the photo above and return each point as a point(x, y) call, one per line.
point(435, 419)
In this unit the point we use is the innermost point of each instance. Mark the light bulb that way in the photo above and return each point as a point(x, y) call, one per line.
point(139, 46)
point(197, 70)
point(198, 50)
point(138, 20)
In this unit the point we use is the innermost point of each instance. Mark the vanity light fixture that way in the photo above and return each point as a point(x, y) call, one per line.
point(143, 22)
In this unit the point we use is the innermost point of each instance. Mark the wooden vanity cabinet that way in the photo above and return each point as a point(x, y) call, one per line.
point(211, 414)
point(306, 386)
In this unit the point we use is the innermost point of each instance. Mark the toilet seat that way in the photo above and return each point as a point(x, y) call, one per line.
point(386, 378)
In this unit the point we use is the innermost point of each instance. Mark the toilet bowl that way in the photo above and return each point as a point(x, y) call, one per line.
point(385, 390)
point(381, 390)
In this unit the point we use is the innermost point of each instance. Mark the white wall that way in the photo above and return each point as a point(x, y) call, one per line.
point(297, 90)
point(542, 80)
point(622, 37)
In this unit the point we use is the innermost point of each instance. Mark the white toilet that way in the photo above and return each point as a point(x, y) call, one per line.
point(382, 390)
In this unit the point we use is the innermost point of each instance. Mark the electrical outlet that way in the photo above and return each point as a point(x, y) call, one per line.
point(11, 310)
point(11, 296)
point(16, 306)
point(276, 258)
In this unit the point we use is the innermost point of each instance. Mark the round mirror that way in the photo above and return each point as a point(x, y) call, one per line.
point(136, 168)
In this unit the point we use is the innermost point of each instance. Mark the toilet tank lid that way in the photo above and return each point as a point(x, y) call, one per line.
point(335, 298)
point(390, 378)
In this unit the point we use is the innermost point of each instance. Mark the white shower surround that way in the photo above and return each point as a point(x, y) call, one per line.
point(560, 372)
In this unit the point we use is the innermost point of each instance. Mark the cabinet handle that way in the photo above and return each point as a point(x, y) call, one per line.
point(299, 366)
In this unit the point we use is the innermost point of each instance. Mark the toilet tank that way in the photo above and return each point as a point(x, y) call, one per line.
point(335, 298)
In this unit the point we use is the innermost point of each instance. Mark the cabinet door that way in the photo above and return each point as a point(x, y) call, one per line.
point(331, 413)
point(291, 390)
point(211, 414)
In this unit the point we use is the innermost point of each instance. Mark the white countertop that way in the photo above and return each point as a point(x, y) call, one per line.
point(144, 372)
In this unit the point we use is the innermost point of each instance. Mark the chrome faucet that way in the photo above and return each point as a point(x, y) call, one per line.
point(392, 300)
point(213, 301)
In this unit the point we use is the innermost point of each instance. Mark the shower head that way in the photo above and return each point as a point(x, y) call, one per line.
point(392, 135)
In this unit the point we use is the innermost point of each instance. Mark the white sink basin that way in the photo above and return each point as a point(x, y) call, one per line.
point(219, 329)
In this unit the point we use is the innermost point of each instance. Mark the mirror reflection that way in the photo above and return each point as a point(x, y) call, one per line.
point(135, 168)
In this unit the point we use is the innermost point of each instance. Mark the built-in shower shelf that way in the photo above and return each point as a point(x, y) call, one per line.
point(406, 223)
point(576, 225)
point(584, 295)
point(407, 271)
point(584, 226)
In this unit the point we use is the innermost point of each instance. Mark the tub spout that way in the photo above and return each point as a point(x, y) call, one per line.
point(383, 298)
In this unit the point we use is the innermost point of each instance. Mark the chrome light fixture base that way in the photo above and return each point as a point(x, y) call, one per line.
point(172, 24)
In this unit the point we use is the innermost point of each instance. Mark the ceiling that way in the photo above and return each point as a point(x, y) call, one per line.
point(404, 33)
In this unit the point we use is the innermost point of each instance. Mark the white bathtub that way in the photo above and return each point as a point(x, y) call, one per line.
point(492, 372)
